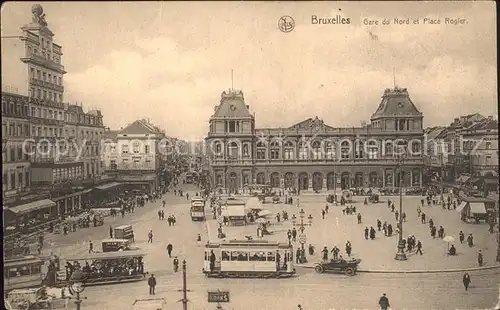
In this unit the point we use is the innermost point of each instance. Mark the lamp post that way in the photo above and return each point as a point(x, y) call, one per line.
point(400, 255)
point(77, 286)
point(302, 227)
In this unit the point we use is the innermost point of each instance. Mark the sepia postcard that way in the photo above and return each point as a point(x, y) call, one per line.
point(246, 155)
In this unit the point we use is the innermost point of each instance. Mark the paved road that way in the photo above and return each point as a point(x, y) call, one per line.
point(313, 291)
point(337, 228)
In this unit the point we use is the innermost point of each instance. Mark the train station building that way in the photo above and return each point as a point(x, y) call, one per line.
point(312, 155)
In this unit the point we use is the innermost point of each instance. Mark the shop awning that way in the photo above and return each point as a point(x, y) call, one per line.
point(107, 186)
point(477, 208)
point(32, 206)
point(461, 206)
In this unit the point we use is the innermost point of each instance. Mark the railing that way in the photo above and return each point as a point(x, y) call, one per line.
point(40, 83)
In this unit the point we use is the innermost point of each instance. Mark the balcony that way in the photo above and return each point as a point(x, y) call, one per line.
point(45, 84)
point(46, 121)
point(39, 60)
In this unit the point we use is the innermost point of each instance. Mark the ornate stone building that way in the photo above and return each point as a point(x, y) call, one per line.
point(312, 155)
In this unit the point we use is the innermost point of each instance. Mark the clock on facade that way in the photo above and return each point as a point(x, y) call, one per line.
point(232, 107)
point(400, 105)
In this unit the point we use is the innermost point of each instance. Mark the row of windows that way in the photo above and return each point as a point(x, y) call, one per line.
point(13, 272)
point(11, 129)
point(14, 154)
point(248, 256)
point(46, 52)
point(60, 174)
point(44, 94)
point(14, 108)
point(136, 148)
point(44, 76)
point(15, 180)
point(47, 113)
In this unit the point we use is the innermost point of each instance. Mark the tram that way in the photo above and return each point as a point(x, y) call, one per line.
point(249, 259)
point(107, 268)
point(22, 272)
point(197, 210)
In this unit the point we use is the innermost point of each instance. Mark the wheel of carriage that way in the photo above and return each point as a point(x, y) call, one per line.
point(98, 265)
point(319, 269)
point(349, 271)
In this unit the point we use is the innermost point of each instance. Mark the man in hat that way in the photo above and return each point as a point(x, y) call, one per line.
point(383, 302)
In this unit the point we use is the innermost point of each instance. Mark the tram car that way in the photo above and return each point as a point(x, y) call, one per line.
point(248, 259)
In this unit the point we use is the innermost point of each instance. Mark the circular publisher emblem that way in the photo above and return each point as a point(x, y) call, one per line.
point(286, 23)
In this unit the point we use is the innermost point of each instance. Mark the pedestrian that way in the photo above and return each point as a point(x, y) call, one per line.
point(169, 250)
point(150, 236)
point(403, 216)
point(433, 232)
point(423, 218)
point(470, 240)
point(212, 260)
point(198, 240)
point(348, 248)
point(162, 215)
point(396, 215)
point(323, 212)
point(383, 302)
point(466, 281)
point(480, 258)
point(294, 234)
point(419, 211)
point(110, 232)
point(372, 233)
point(289, 236)
point(366, 233)
point(159, 214)
point(461, 236)
point(441, 232)
point(297, 256)
point(419, 248)
point(152, 284)
point(91, 247)
point(326, 208)
point(164, 203)
point(359, 218)
point(379, 224)
point(325, 254)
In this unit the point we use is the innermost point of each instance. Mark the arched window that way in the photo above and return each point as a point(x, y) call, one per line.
point(329, 150)
point(261, 150)
point(218, 150)
point(345, 150)
point(387, 148)
point(316, 150)
point(289, 151)
point(372, 149)
point(275, 150)
point(303, 151)
point(233, 150)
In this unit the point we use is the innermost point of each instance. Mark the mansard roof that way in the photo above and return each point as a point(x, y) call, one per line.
point(396, 102)
point(232, 105)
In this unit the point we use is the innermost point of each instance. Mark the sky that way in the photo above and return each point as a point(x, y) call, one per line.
point(170, 61)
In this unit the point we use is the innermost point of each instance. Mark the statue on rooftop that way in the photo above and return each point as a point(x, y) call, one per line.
point(38, 15)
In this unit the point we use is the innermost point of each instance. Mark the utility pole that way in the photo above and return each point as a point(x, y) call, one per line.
point(184, 287)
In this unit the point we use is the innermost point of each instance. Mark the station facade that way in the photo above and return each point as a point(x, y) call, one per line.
point(313, 156)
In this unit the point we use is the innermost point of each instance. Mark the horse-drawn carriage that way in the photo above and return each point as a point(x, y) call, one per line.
point(348, 267)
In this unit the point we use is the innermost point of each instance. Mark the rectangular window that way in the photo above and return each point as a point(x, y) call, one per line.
point(12, 180)
point(146, 149)
point(302, 153)
point(38, 74)
point(44, 76)
point(12, 155)
point(32, 72)
point(488, 145)
point(125, 149)
point(136, 147)
point(275, 154)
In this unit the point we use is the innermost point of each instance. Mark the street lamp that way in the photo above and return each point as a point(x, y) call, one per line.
point(302, 227)
point(400, 255)
point(77, 285)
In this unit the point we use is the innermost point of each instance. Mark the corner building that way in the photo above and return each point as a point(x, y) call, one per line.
point(313, 156)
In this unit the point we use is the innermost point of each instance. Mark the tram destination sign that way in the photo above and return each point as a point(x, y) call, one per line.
point(218, 296)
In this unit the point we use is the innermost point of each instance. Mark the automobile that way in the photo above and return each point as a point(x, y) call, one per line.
point(113, 245)
point(349, 267)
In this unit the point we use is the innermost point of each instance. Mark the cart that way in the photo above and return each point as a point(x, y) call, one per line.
point(276, 199)
point(27, 299)
point(348, 267)
point(374, 198)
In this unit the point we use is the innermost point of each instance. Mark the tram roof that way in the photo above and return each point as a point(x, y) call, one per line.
point(24, 261)
point(247, 243)
point(107, 255)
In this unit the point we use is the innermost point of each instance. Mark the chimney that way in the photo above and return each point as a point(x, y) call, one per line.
point(456, 120)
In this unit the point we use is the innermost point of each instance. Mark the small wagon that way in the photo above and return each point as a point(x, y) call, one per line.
point(348, 267)
point(374, 198)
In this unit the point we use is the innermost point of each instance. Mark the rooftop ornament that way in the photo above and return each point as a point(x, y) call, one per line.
point(38, 15)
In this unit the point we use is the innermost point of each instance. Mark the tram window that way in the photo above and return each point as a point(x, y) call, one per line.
point(24, 271)
point(13, 273)
point(226, 256)
point(239, 256)
point(258, 256)
point(271, 256)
